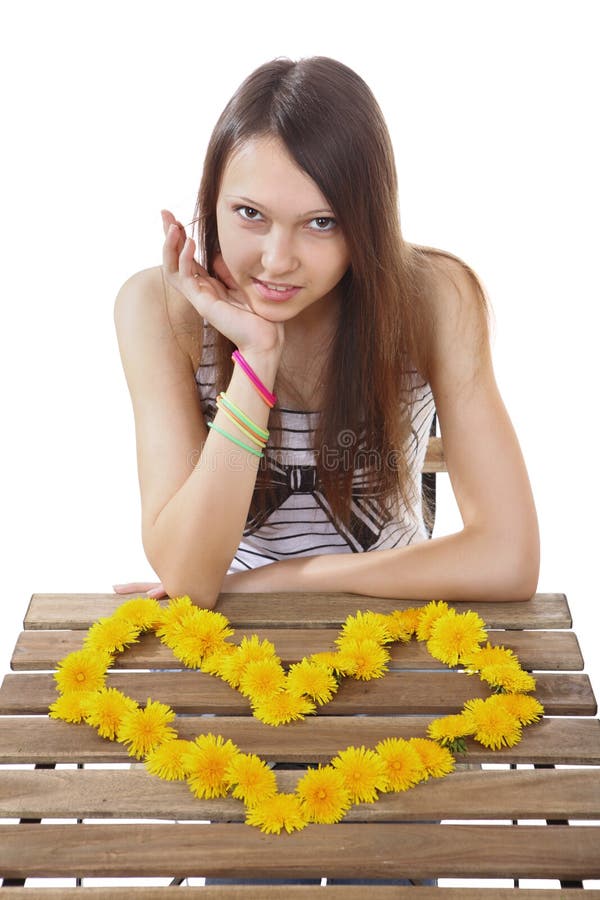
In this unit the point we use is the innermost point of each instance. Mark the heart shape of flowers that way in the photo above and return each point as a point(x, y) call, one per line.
point(215, 767)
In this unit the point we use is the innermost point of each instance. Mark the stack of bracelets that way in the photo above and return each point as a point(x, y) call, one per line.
point(258, 436)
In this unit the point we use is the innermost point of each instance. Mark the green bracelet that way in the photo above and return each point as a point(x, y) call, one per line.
point(235, 440)
point(261, 432)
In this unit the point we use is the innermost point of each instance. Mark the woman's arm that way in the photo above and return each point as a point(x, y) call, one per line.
point(496, 554)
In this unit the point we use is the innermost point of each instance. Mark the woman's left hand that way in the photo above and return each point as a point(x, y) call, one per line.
point(150, 588)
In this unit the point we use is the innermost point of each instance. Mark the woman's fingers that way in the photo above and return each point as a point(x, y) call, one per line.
point(151, 588)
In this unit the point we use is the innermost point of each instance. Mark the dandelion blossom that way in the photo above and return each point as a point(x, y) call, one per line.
point(250, 649)
point(365, 626)
point(106, 710)
point(71, 707)
point(454, 634)
point(262, 678)
point(363, 772)
point(493, 725)
point(82, 670)
point(143, 729)
point(438, 761)
point(508, 676)
point(324, 795)
point(488, 656)
point(167, 760)
point(198, 633)
point(212, 663)
point(450, 729)
point(207, 759)
point(251, 778)
point(403, 766)
point(143, 612)
point(171, 616)
point(275, 813)
point(111, 634)
point(402, 624)
point(282, 707)
point(313, 679)
point(526, 709)
point(428, 615)
point(364, 659)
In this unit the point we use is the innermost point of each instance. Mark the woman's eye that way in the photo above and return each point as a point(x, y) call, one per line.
point(250, 209)
point(325, 219)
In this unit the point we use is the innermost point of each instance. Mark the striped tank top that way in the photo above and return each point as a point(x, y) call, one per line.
point(301, 521)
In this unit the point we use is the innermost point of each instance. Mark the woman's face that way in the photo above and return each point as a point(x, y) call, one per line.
point(275, 226)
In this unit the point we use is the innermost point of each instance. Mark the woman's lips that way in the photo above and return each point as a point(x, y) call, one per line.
point(270, 294)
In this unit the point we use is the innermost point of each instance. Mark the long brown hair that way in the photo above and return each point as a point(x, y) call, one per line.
point(332, 126)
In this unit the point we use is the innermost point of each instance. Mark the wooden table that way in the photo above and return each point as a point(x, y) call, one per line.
point(385, 839)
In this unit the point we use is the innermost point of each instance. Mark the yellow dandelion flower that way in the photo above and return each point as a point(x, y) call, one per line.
point(487, 656)
point(171, 616)
point(428, 615)
point(402, 624)
point(207, 760)
point(324, 795)
point(143, 612)
point(365, 626)
point(111, 634)
point(364, 773)
point(454, 634)
point(143, 729)
point(332, 660)
point(167, 760)
point(313, 679)
point(199, 632)
point(212, 663)
point(275, 813)
point(403, 766)
point(262, 678)
point(106, 709)
point(509, 676)
point(282, 707)
point(493, 725)
point(71, 707)
point(250, 650)
point(525, 708)
point(251, 778)
point(364, 659)
point(82, 670)
point(449, 729)
point(438, 761)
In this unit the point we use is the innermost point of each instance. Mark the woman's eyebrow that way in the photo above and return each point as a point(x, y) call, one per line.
point(253, 203)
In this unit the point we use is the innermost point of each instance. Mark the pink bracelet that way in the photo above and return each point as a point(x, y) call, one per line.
point(269, 398)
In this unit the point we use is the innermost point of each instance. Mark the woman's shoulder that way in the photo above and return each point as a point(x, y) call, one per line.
point(146, 296)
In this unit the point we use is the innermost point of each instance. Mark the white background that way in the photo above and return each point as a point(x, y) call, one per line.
point(106, 112)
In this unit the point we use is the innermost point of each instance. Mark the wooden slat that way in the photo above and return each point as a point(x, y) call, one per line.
point(126, 794)
point(78, 611)
point(540, 650)
point(434, 456)
point(315, 740)
point(408, 693)
point(302, 892)
point(348, 851)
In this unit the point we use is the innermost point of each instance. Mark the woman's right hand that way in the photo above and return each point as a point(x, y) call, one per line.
point(219, 300)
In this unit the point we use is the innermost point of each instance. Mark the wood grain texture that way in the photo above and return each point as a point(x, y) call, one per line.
point(539, 650)
point(296, 609)
point(126, 794)
point(400, 693)
point(315, 740)
point(376, 850)
point(299, 892)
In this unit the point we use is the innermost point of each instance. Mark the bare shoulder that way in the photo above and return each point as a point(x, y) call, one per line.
point(149, 307)
point(460, 315)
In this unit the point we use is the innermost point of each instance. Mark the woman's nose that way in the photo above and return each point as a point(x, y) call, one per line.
point(279, 255)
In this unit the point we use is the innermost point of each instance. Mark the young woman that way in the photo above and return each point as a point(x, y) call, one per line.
point(296, 465)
